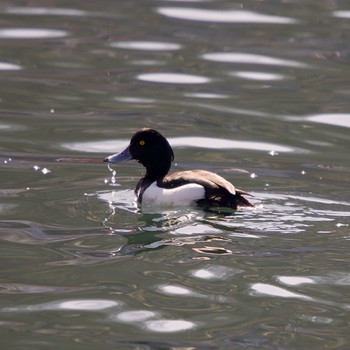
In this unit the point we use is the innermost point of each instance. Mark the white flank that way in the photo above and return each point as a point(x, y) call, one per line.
point(183, 195)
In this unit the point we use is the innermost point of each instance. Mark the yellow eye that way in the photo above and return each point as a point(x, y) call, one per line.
point(142, 143)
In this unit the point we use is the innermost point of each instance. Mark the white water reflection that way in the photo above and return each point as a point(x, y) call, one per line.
point(215, 272)
point(215, 143)
point(341, 14)
point(177, 290)
point(146, 45)
point(169, 326)
point(246, 58)
point(206, 95)
point(200, 142)
point(195, 229)
point(30, 33)
point(263, 76)
point(45, 11)
point(295, 280)
point(9, 66)
point(222, 16)
point(336, 119)
point(135, 100)
point(87, 304)
point(11, 127)
point(273, 291)
point(79, 304)
point(135, 316)
point(173, 78)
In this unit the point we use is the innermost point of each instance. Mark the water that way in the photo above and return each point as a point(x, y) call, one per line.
point(257, 92)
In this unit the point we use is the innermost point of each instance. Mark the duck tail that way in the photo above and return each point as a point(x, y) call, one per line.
point(241, 199)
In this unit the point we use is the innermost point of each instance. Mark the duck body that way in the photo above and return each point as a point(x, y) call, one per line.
point(190, 187)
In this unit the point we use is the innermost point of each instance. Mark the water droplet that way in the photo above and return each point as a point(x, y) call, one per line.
point(113, 177)
point(45, 171)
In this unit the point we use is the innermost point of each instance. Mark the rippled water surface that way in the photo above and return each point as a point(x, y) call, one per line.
point(256, 91)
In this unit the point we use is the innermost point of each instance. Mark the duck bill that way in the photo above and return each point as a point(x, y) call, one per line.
point(119, 157)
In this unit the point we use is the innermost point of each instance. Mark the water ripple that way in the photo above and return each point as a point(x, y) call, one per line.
point(247, 58)
point(341, 14)
point(273, 291)
point(79, 304)
point(222, 16)
point(205, 95)
point(338, 119)
point(169, 326)
point(146, 45)
point(9, 66)
point(173, 78)
point(135, 316)
point(262, 76)
point(45, 11)
point(31, 33)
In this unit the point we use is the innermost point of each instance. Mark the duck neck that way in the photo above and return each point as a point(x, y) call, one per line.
point(157, 170)
point(155, 174)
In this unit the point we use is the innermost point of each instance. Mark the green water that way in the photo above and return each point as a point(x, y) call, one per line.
point(258, 94)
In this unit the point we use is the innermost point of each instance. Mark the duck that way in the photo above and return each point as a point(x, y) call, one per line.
point(185, 188)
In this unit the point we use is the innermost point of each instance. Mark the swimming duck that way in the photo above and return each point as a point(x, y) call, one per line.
point(190, 187)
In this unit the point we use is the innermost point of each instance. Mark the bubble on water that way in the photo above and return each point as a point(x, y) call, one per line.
point(253, 175)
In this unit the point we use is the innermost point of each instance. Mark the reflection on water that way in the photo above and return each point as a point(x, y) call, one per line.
point(222, 16)
point(173, 78)
point(247, 58)
point(273, 291)
point(341, 14)
point(258, 76)
point(333, 119)
point(45, 11)
point(337, 119)
point(30, 33)
point(9, 66)
point(146, 45)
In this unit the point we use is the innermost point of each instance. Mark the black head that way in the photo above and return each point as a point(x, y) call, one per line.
point(151, 149)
